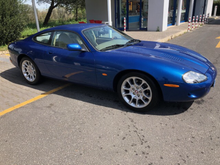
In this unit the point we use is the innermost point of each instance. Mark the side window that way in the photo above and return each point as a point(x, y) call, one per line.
point(62, 39)
point(43, 38)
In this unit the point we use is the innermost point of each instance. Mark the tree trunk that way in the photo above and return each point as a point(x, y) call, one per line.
point(47, 18)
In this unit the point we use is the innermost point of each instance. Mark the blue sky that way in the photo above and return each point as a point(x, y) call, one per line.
point(39, 7)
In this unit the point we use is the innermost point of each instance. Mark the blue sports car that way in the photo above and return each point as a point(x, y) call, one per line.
point(141, 72)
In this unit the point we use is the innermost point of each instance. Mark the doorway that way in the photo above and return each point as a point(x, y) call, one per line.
point(134, 11)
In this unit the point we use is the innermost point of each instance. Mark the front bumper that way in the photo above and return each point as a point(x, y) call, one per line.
point(189, 92)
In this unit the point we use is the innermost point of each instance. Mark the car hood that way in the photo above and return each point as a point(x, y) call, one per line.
point(168, 52)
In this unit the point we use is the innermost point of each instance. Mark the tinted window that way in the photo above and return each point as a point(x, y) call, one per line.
point(105, 36)
point(62, 39)
point(43, 38)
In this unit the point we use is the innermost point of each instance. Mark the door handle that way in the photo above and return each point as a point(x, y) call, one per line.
point(49, 52)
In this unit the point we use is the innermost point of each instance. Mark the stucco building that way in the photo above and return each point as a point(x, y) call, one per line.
point(149, 15)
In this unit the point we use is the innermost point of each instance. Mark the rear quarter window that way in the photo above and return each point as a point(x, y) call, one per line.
point(43, 38)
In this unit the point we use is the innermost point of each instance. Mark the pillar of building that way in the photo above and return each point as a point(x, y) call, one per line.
point(208, 9)
point(157, 15)
point(109, 12)
point(179, 12)
point(191, 5)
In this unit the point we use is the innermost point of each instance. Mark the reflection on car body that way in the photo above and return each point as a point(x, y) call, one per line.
point(141, 72)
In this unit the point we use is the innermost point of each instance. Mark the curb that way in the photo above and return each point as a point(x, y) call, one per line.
point(3, 53)
point(172, 36)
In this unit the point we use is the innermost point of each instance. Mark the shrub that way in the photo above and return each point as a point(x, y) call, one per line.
point(11, 21)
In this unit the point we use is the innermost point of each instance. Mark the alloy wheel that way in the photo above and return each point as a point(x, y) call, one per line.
point(28, 70)
point(136, 92)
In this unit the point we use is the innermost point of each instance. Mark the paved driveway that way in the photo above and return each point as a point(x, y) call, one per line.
point(82, 125)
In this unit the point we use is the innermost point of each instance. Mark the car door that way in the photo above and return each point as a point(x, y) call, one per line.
point(75, 66)
point(38, 48)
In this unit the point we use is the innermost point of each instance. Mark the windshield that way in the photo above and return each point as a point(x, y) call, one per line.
point(106, 38)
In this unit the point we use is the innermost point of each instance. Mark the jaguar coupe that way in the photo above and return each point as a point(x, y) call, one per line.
point(141, 72)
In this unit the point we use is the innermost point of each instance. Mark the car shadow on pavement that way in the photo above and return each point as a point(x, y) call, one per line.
point(92, 95)
point(170, 108)
point(14, 75)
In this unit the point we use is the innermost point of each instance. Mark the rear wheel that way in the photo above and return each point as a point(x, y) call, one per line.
point(30, 71)
point(138, 92)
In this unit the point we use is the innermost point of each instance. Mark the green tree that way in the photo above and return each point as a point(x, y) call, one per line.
point(11, 20)
point(54, 4)
point(74, 7)
point(27, 13)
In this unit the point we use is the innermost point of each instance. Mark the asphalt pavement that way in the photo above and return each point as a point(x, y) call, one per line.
point(82, 125)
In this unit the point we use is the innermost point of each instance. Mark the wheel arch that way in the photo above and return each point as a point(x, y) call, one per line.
point(122, 73)
point(37, 77)
point(22, 56)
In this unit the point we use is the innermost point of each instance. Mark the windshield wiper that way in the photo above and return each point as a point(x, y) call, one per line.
point(132, 41)
point(112, 47)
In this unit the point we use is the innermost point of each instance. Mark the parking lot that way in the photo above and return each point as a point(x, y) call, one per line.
point(74, 124)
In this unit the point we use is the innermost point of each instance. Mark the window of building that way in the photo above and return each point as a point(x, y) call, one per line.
point(172, 12)
point(135, 12)
point(183, 12)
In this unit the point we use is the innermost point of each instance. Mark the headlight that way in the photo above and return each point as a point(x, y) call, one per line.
point(194, 77)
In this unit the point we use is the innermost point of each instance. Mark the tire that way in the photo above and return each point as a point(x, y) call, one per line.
point(138, 92)
point(30, 71)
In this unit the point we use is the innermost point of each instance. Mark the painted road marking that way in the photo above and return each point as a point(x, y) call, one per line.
point(32, 100)
point(218, 45)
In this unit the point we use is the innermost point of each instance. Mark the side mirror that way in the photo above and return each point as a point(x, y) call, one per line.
point(74, 47)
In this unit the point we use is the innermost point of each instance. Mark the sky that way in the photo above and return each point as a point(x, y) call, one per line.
point(42, 6)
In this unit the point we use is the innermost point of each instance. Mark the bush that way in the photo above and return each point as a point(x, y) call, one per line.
point(11, 21)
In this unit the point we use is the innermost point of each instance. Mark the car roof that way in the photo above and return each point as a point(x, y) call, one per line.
point(74, 27)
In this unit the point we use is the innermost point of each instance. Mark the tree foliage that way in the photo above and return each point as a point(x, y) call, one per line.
point(11, 20)
point(55, 3)
point(27, 12)
point(74, 7)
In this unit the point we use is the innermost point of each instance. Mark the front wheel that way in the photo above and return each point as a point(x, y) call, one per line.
point(30, 71)
point(138, 92)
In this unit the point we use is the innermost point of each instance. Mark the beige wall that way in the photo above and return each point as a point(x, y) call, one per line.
point(97, 10)
point(157, 15)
